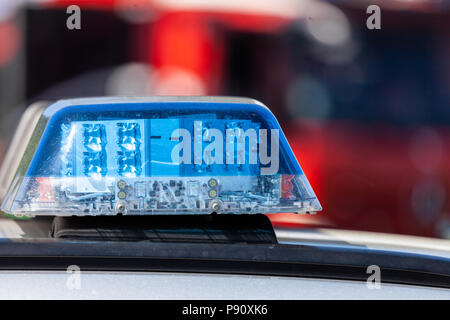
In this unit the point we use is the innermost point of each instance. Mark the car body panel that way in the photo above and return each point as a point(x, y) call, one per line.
point(372, 240)
point(149, 285)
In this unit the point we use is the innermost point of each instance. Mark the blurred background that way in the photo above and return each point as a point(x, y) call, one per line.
point(367, 112)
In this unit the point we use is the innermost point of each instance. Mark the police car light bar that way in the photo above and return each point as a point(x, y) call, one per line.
point(159, 155)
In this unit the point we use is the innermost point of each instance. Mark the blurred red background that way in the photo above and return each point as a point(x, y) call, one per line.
point(366, 111)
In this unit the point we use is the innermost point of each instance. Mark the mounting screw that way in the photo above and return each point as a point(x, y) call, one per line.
point(216, 206)
point(120, 207)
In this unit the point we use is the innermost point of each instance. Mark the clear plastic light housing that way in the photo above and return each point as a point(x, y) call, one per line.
point(165, 155)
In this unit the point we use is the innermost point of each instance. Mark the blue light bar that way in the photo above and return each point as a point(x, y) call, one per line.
point(160, 155)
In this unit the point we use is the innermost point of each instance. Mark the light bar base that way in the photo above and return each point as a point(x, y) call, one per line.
point(175, 228)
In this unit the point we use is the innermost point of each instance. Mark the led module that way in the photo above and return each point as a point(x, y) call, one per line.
point(159, 155)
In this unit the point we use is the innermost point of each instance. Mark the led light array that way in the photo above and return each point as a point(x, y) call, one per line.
point(129, 157)
point(95, 161)
point(171, 156)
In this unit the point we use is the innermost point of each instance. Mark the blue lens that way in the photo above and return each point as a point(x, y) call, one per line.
point(98, 156)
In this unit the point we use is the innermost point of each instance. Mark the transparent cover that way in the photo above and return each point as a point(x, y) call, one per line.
point(138, 156)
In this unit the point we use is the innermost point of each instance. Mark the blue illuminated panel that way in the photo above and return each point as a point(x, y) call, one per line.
point(129, 156)
point(161, 158)
point(94, 153)
point(108, 148)
point(160, 145)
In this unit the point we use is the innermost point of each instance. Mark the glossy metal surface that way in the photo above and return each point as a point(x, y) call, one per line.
point(125, 285)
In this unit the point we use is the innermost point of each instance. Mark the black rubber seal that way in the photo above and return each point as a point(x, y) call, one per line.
point(211, 228)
